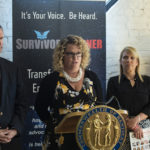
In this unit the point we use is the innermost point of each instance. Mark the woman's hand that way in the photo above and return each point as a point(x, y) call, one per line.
point(138, 132)
point(132, 122)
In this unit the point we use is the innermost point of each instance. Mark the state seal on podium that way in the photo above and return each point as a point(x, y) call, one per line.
point(101, 128)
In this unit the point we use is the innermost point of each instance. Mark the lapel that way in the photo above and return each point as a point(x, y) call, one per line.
point(3, 81)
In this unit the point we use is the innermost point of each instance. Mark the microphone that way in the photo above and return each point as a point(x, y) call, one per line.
point(86, 83)
point(123, 112)
point(109, 101)
point(113, 98)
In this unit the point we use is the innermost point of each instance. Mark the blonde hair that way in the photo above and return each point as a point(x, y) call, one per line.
point(62, 45)
point(133, 51)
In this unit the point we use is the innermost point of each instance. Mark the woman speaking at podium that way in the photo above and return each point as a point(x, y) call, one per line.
point(69, 88)
point(132, 90)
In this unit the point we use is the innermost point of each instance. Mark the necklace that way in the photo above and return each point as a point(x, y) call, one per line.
point(76, 79)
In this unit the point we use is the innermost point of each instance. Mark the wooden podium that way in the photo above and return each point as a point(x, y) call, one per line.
point(100, 127)
point(70, 121)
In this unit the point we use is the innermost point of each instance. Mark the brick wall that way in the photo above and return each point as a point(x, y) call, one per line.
point(6, 22)
point(128, 24)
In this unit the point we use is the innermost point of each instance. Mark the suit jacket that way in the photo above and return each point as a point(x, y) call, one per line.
point(13, 102)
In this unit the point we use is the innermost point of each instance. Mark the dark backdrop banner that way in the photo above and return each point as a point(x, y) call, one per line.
point(38, 25)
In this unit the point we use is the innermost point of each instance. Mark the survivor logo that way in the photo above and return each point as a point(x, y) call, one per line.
point(43, 43)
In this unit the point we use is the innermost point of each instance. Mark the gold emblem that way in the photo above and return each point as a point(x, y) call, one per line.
point(101, 128)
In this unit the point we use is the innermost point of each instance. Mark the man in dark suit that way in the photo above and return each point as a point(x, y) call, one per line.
point(13, 103)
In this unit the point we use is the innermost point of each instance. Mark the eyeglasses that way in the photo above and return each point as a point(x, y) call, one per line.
point(71, 54)
point(1, 38)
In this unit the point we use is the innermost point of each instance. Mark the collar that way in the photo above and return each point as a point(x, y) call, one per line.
point(123, 78)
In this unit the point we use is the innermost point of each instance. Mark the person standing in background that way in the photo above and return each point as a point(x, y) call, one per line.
point(132, 91)
point(13, 103)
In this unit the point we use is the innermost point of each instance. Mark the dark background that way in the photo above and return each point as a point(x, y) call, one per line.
point(40, 60)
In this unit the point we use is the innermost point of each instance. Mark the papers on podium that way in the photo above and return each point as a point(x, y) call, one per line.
point(140, 144)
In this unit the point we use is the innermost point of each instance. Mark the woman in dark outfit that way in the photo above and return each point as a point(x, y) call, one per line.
point(69, 88)
point(132, 91)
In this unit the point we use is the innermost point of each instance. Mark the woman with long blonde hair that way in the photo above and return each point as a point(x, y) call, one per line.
point(132, 90)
